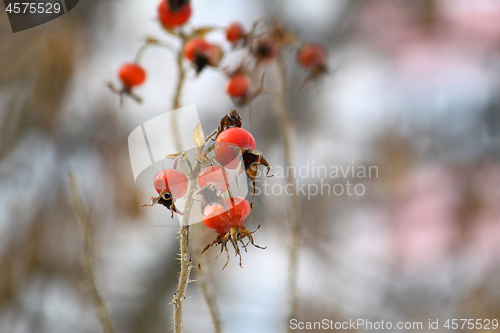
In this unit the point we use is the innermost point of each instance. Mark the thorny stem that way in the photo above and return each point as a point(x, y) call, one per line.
point(84, 219)
point(294, 203)
point(186, 261)
point(186, 265)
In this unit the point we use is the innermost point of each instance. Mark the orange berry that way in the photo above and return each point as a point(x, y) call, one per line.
point(238, 85)
point(312, 56)
point(234, 32)
point(201, 53)
point(173, 14)
point(132, 75)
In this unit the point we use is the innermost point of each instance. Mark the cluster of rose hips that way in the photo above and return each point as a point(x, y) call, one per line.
point(263, 44)
point(235, 149)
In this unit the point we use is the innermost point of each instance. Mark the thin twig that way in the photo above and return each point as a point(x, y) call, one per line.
point(201, 277)
point(176, 103)
point(84, 219)
point(293, 202)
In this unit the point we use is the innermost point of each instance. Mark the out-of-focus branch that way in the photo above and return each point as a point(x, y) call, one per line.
point(176, 103)
point(201, 278)
point(293, 202)
point(84, 219)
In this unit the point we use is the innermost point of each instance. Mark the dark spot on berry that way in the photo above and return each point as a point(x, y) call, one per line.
point(176, 5)
point(200, 62)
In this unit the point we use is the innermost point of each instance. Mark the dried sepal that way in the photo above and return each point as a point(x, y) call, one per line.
point(170, 30)
point(251, 161)
point(166, 200)
point(202, 31)
point(239, 170)
point(232, 119)
point(237, 233)
point(211, 195)
point(125, 91)
point(314, 74)
point(175, 155)
point(282, 36)
point(203, 159)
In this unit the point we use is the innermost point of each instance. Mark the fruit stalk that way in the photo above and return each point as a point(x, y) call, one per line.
point(293, 202)
point(176, 103)
point(84, 220)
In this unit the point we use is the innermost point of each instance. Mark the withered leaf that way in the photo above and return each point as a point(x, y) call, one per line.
point(202, 31)
point(198, 137)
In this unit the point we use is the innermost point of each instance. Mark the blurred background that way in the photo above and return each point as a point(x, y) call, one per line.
point(413, 90)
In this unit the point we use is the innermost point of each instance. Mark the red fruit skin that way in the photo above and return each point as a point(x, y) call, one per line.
point(216, 175)
point(312, 56)
point(238, 85)
point(234, 136)
point(132, 75)
point(195, 46)
point(234, 32)
point(239, 209)
point(200, 47)
point(171, 181)
point(171, 19)
point(213, 219)
point(217, 219)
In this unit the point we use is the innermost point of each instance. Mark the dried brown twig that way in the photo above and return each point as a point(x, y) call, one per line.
point(88, 256)
point(294, 202)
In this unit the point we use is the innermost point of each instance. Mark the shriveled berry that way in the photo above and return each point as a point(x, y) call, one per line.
point(172, 182)
point(131, 75)
point(232, 137)
point(265, 48)
point(173, 14)
point(238, 86)
point(215, 175)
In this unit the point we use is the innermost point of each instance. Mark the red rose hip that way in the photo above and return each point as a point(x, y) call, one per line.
point(132, 75)
point(234, 32)
point(201, 53)
point(232, 137)
point(312, 56)
point(171, 181)
point(217, 219)
point(173, 13)
point(238, 86)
